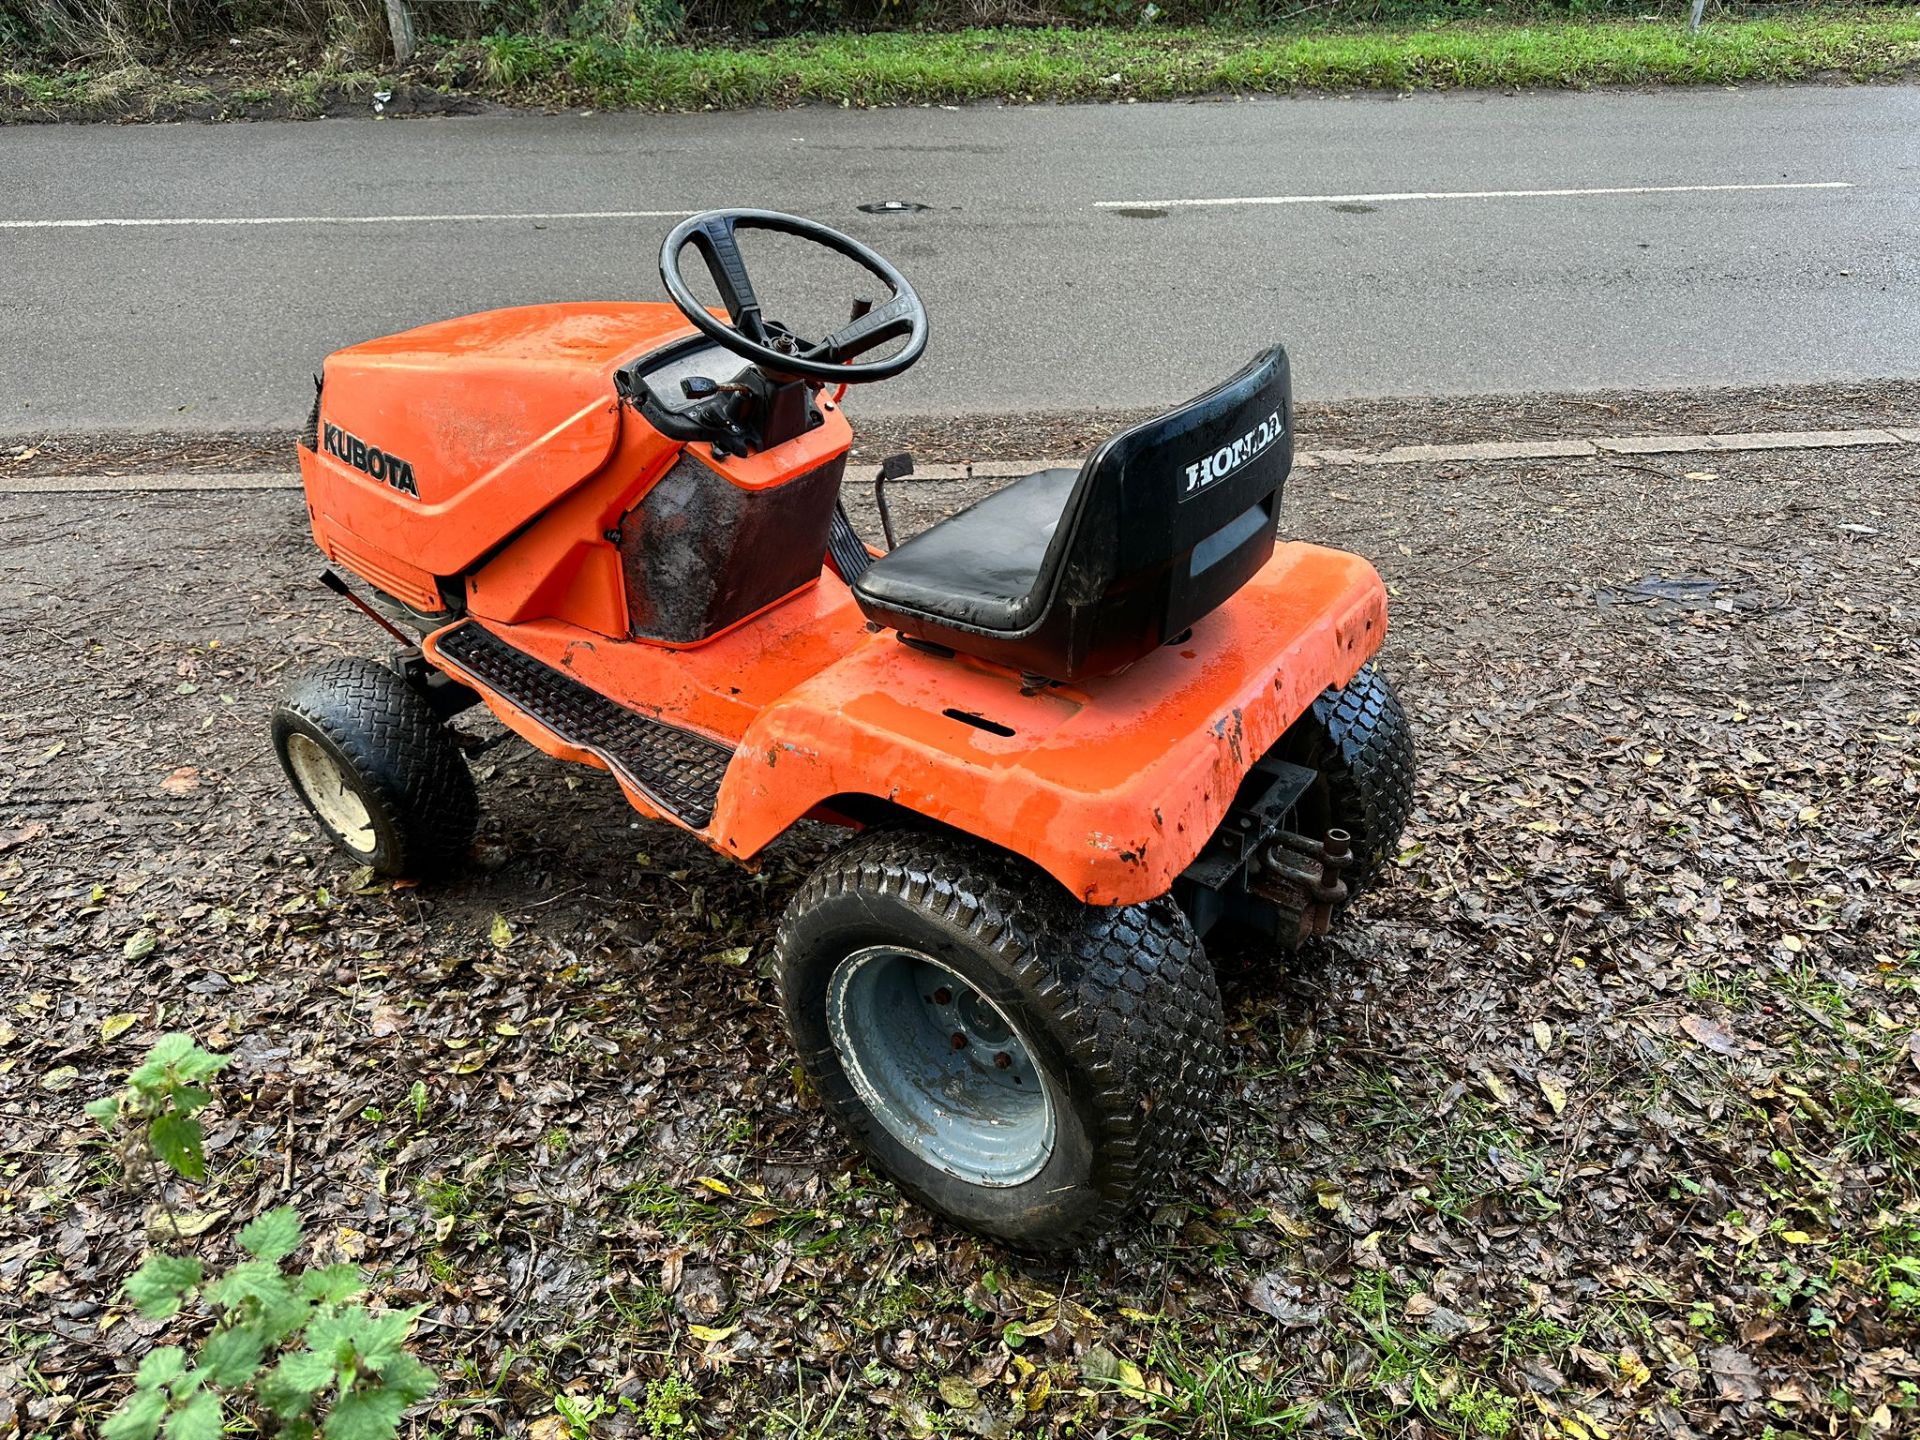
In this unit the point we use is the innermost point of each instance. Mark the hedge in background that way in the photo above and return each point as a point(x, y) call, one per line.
point(59, 31)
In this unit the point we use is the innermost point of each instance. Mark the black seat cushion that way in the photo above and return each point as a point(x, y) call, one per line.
point(979, 569)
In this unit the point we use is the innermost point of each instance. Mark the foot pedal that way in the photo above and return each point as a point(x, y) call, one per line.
point(850, 557)
point(677, 769)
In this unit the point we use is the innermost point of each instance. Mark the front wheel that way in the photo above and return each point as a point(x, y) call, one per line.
point(376, 766)
point(1021, 1063)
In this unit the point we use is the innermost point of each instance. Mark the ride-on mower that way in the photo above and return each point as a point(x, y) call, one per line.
point(1077, 725)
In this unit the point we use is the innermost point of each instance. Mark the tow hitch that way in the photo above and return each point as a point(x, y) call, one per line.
point(1301, 879)
point(1258, 871)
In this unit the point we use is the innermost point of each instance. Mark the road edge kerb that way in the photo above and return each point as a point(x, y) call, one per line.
point(133, 484)
point(1494, 450)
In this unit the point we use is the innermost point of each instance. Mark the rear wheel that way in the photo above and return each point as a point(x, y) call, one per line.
point(1021, 1063)
point(376, 766)
point(1358, 739)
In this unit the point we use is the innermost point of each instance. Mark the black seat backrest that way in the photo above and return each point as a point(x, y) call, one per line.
point(1168, 520)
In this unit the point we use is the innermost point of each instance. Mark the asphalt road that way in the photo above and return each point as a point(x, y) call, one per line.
point(1054, 279)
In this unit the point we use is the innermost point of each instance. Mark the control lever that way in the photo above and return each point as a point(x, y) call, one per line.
point(720, 407)
point(699, 387)
point(894, 467)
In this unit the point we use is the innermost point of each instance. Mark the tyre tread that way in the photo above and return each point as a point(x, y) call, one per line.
point(1359, 739)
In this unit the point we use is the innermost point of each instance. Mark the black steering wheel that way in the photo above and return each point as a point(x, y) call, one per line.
point(771, 346)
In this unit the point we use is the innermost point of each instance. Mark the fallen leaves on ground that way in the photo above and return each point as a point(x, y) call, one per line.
point(1597, 1119)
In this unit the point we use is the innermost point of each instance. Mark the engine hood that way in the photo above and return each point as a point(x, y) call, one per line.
point(436, 443)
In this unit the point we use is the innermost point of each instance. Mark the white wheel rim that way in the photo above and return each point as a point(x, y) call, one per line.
point(940, 1066)
point(324, 785)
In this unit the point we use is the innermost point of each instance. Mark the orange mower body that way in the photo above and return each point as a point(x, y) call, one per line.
point(1111, 785)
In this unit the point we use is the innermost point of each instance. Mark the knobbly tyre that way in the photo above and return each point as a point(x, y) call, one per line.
point(1073, 728)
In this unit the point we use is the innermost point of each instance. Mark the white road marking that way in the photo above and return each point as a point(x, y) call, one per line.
point(142, 222)
point(1395, 195)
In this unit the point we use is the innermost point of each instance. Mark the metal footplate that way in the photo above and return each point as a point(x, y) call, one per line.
point(677, 769)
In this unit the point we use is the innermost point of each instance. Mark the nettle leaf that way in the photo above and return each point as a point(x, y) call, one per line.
point(161, 1366)
point(257, 1280)
point(272, 1236)
point(198, 1419)
point(174, 1059)
point(332, 1335)
point(307, 1371)
point(371, 1414)
point(177, 1141)
point(380, 1337)
point(169, 1049)
point(229, 1357)
point(198, 1064)
point(189, 1099)
point(281, 1400)
point(106, 1110)
point(138, 1419)
point(156, 1287)
point(281, 1393)
point(282, 1318)
point(408, 1377)
point(187, 1384)
point(333, 1283)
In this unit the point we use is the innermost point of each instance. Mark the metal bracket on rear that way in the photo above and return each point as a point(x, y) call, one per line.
point(1257, 871)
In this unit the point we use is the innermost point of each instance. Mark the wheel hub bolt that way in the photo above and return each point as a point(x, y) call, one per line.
point(943, 996)
point(959, 1041)
point(1002, 1060)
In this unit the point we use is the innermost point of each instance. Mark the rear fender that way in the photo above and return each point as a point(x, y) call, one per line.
point(1113, 786)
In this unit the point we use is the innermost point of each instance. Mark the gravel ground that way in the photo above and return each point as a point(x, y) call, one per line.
point(1599, 1118)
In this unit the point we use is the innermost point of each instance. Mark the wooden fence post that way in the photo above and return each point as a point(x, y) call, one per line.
point(400, 30)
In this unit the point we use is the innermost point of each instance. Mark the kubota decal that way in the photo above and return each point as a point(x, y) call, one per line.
point(1229, 458)
point(371, 460)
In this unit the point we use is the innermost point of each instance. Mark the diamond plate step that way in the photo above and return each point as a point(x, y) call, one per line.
point(678, 770)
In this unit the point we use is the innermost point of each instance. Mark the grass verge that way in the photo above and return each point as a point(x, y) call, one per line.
point(908, 68)
point(134, 91)
point(905, 68)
